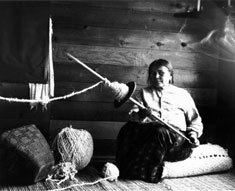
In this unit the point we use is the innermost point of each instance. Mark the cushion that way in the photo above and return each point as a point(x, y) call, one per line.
point(27, 156)
point(206, 158)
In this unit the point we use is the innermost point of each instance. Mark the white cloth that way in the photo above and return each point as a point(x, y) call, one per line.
point(43, 92)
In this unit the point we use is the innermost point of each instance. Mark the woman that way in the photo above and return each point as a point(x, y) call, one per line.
point(143, 144)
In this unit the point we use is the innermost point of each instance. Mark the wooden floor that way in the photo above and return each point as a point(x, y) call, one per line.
point(89, 179)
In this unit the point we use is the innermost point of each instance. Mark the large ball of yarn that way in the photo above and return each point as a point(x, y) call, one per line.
point(73, 145)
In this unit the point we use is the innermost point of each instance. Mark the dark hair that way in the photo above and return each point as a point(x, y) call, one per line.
point(161, 62)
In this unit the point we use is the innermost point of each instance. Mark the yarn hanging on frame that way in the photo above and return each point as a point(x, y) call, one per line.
point(73, 145)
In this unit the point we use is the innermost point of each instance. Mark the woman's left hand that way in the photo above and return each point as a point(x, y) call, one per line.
point(194, 140)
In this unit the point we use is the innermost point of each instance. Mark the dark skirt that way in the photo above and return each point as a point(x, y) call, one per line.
point(143, 147)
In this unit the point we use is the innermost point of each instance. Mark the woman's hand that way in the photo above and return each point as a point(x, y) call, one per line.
point(194, 140)
point(145, 112)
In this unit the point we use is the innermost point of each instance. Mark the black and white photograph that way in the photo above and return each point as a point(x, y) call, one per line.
point(117, 95)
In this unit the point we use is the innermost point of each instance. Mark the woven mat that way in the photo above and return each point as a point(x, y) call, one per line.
point(210, 182)
point(214, 182)
point(91, 175)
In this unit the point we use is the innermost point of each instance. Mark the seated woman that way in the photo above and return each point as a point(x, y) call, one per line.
point(143, 144)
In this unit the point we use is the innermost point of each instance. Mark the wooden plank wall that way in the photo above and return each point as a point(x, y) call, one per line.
point(119, 39)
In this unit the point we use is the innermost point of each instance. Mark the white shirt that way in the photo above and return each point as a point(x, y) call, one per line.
point(173, 105)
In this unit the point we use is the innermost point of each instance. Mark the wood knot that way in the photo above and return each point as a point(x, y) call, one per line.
point(159, 44)
point(183, 44)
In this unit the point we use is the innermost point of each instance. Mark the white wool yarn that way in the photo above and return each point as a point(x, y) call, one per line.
point(119, 90)
point(110, 171)
point(75, 146)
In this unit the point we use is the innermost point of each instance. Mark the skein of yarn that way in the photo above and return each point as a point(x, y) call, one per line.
point(119, 90)
point(73, 145)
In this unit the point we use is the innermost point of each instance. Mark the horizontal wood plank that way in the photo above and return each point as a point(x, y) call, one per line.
point(105, 147)
point(202, 96)
point(73, 15)
point(183, 78)
point(89, 111)
point(109, 37)
point(141, 39)
point(70, 16)
point(132, 57)
point(15, 90)
point(168, 6)
point(104, 111)
point(22, 110)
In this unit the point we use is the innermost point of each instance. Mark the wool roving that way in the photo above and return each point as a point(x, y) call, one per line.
point(118, 90)
point(73, 145)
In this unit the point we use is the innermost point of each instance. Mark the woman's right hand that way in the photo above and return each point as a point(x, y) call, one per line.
point(145, 112)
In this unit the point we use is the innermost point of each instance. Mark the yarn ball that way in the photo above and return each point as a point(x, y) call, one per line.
point(110, 171)
point(74, 146)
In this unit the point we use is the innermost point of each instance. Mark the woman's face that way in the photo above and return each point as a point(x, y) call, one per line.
point(160, 77)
